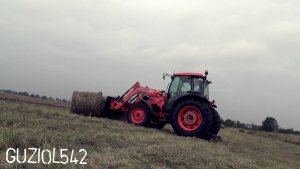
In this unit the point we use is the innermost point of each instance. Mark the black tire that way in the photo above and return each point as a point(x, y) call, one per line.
point(216, 125)
point(146, 121)
point(202, 108)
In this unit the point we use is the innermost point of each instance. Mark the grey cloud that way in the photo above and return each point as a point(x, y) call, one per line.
point(249, 47)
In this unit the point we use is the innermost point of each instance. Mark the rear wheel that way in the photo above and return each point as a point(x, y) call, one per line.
point(191, 117)
point(215, 128)
point(139, 114)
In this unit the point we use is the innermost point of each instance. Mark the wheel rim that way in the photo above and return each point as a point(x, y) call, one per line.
point(189, 118)
point(137, 115)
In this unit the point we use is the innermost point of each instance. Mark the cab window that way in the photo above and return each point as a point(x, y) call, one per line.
point(185, 86)
point(174, 85)
point(198, 85)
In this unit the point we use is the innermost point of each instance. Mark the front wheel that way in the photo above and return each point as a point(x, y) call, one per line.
point(191, 118)
point(139, 114)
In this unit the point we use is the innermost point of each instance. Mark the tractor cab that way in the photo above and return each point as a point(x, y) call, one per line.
point(186, 84)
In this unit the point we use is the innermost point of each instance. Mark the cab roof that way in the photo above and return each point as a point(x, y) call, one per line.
point(189, 74)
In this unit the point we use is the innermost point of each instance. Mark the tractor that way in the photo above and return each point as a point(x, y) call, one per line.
point(185, 105)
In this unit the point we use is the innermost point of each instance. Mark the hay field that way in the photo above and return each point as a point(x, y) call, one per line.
point(116, 144)
point(37, 101)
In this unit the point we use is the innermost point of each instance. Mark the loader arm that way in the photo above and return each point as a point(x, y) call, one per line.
point(130, 95)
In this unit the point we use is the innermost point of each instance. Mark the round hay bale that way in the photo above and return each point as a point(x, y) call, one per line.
point(87, 103)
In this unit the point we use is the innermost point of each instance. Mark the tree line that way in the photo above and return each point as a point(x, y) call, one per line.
point(22, 93)
point(270, 124)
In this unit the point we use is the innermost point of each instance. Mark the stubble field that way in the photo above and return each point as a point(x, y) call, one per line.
point(116, 144)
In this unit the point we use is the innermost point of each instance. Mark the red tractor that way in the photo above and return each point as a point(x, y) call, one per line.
point(185, 106)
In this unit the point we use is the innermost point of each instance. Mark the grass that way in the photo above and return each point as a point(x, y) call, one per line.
point(116, 144)
point(33, 100)
point(290, 138)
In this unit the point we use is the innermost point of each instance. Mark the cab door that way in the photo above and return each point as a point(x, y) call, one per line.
point(180, 86)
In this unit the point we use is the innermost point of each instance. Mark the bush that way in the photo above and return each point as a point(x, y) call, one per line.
point(270, 124)
point(242, 130)
point(229, 123)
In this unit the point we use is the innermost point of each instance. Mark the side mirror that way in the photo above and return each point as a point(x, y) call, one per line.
point(168, 95)
point(165, 75)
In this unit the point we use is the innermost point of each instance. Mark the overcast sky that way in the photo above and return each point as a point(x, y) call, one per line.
point(251, 49)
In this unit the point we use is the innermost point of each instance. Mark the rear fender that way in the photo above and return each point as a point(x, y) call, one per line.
point(189, 96)
point(213, 104)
